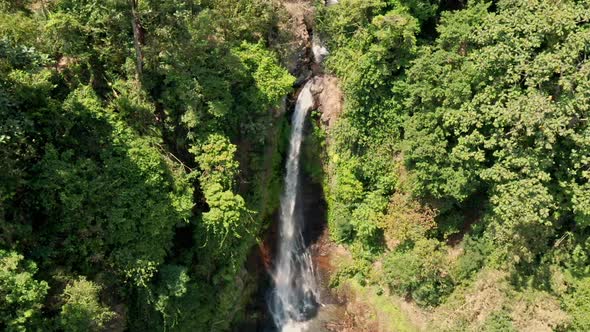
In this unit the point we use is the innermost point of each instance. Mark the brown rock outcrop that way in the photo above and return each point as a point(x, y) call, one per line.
point(328, 98)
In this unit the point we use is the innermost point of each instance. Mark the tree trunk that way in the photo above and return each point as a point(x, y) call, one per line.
point(138, 39)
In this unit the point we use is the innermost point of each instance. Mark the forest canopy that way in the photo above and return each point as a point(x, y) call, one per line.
point(472, 122)
point(119, 195)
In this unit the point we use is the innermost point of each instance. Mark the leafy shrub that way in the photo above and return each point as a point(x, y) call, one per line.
point(358, 270)
point(21, 296)
point(82, 310)
point(499, 321)
point(475, 253)
point(577, 305)
point(419, 272)
point(406, 220)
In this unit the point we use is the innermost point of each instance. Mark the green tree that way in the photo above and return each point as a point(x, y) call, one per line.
point(578, 305)
point(21, 296)
point(494, 107)
point(96, 158)
point(522, 214)
point(82, 309)
point(216, 158)
point(419, 272)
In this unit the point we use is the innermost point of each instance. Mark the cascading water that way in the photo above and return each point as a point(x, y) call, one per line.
point(295, 297)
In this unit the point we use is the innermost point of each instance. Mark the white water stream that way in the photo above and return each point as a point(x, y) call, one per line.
point(296, 295)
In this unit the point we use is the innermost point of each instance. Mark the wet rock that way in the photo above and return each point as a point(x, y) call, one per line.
point(319, 50)
point(282, 109)
point(304, 75)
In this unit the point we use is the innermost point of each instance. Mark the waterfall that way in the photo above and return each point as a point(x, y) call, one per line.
point(318, 49)
point(295, 297)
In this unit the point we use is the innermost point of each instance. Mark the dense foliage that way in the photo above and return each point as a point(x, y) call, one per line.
point(473, 124)
point(137, 145)
point(140, 158)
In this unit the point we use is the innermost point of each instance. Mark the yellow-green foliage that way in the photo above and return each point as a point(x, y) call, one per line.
point(490, 303)
point(82, 310)
point(22, 295)
point(406, 220)
point(578, 304)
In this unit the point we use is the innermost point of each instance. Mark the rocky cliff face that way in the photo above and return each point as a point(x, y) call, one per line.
point(293, 41)
point(303, 52)
point(328, 98)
